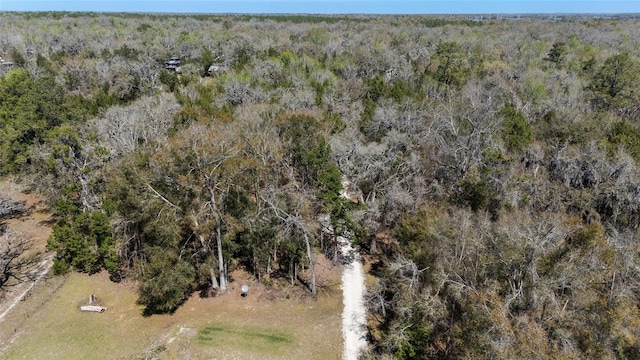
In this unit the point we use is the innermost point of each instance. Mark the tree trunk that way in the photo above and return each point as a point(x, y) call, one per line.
point(197, 229)
point(291, 270)
point(223, 276)
point(268, 269)
point(311, 265)
point(214, 281)
point(215, 212)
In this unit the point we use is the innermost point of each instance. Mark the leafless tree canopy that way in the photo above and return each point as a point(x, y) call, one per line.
point(10, 207)
point(495, 162)
point(17, 259)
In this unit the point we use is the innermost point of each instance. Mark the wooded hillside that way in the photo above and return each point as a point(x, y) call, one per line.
point(497, 164)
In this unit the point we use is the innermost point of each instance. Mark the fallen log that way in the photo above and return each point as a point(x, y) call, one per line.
point(93, 308)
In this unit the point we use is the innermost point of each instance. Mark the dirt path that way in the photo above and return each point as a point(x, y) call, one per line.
point(354, 319)
point(18, 294)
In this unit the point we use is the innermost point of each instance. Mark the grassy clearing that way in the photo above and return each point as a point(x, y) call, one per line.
point(49, 325)
point(256, 327)
point(266, 341)
point(215, 334)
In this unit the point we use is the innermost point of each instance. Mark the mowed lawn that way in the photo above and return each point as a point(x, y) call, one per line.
point(260, 326)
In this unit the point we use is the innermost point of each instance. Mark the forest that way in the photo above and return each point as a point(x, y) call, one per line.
point(495, 162)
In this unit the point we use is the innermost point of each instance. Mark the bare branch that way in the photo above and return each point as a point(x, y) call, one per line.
point(16, 260)
point(10, 207)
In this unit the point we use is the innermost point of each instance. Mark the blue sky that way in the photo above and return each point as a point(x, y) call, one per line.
point(329, 6)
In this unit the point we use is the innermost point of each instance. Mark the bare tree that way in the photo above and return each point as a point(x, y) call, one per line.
point(148, 119)
point(16, 259)
point(293, 222)
point(10, 207)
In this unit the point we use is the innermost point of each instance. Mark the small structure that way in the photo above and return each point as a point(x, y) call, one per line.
point(245, 290)
point(5, 63)
point(4, 66)
point(216, 68)
point(91, 307)
point(173, 64)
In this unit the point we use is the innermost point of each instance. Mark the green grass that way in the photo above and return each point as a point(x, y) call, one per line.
point(49, 325)
point(56, 329)
point(269, 337)
point(248, 338)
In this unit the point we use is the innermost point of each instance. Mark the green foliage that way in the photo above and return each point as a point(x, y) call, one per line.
point(588, 65)
point(242, 57)
point(43, 63)
point(320, 91)
point(103, 98)
point(127, 86)
point(302, 19)
point(28, 109)
point(624, 135)
point(329, 182)
point(588, 236)
point(312, 161)
point(453, 67)
point(77, 109)
point(255, 243)
point(206, 59)
point(557, 53)
point(517, 134)
point(126, 52)
point(310, 152)
point(432, 22)
point(82, 241)
point(377, 88)
point(472, 330)
point(60, 267)
point(416, 238)
point(399, 90)
point(318, 36)
point(143, 27)
point(615, 76)
point(170, 79)
point(413, 344)
point(555, 130)
point(17, 57)
point(615, 85)
point(166, 282)
point(474, 193)
point(535, 91)
point(287, 58)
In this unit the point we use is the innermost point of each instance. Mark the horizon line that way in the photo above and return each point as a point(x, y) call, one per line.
point(314, 13)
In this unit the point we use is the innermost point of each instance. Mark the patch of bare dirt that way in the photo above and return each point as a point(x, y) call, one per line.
point(275, 289)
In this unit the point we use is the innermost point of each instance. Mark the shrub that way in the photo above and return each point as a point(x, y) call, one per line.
point(516, 131)
point(626, 135)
